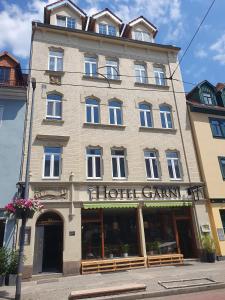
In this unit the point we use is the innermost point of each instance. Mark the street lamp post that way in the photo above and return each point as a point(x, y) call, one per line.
point(26, 195)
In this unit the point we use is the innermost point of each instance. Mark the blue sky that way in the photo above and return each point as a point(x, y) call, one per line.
point(176, 21)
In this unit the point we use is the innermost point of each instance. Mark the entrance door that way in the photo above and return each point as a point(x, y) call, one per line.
point(186, 239)
point(48, 250)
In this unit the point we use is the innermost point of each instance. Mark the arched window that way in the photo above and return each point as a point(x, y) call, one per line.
point(145, 115)
point(92, 110)
point(115, 112)
point(166, 117)
point(54, 106)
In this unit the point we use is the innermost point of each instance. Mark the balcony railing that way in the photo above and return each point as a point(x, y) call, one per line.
point(13, 83)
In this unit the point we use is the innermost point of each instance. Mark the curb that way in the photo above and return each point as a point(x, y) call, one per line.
point(170, 292)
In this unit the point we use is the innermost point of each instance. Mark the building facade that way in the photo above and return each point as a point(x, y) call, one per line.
point(12, 114)
point(112, 154)
point(206, 105)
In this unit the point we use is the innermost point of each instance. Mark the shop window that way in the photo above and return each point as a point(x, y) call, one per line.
point(217, 127)
point(140, 73)
point(92, 111)
point(54, 106)
point(159, 76)
point(55, 60)
point(115, 112)
point(91, 66)
point(222, 166)
point(52, 162)
point(93, 163)
point(222, 216)
point(112, 69)
point(173, 163)
point(118, 164)
point(165, 115)
point(145, 115)
point(151, 164)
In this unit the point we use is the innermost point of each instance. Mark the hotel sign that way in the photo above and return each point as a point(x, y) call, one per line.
point(144, 193)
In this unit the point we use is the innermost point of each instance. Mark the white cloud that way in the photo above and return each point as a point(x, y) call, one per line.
point(219, 50)
point(15, 25)
point(200, 53)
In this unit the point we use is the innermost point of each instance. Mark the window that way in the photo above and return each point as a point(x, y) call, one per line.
point(207, 98)
point(52, 162)
point(222, 166)
point(115, 113)
point(217, 127)
point(92, 111)
point(54, 106)
point(4, 75)
point(1, 114)
point(165, 115)
point(91, 66)
point(142, 36)
point(151, 164)
point(118, 164)
point(112, 69)
point(66, 22)
point(56, 60)
point(107, 29)
point(141, 74)
point(159, 76)
point(145, 115)
point(93, 163)
point(173, 165)
point(222, 216)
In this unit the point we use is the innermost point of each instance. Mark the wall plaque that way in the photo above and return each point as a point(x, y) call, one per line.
point(71, 233)
point(220, 233)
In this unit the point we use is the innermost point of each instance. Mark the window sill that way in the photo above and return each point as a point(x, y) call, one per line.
point(57, 73)
point(93, 179)
point(52, 121)
point(50, 178)
point(106, 126)
point(153, 179)
point(153, 129)
point(151, 85)
point(120, 179)
point(101, 79)
point(176, 179)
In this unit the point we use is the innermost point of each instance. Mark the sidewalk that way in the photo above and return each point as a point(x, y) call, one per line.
point(60, 288)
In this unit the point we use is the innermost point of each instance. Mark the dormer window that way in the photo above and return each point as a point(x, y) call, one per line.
point(64, 21)
point(207, 98)
point(107, 29)
point(142, 36)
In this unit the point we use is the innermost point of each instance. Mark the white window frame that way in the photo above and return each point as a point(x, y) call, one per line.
point(91, 63)
point(53, 116)
point(52, 165)
point(56, 57)
point(139, 68)
point(172, 159)
point(93, 156)
point(157, 74)
point(107, 29)
point(1, 114)
point(145, 116)
point(66, 19)
point(165, 114)
point(142, 35)
point(118, 164)
point(114, 66)
point(150, 159)
point(207, 96)
point(115, 108)
point(92, 113)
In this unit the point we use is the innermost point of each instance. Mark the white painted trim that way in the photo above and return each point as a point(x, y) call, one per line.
point(87, 24)
point(139, 20)
point(106, 12)
point(122, 32)
point(59, 4)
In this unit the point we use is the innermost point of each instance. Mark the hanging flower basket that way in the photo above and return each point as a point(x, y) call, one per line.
point(23, 208)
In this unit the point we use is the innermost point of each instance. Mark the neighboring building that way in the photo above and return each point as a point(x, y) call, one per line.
point(12, 113)
point(113, 166)
point(206, 104)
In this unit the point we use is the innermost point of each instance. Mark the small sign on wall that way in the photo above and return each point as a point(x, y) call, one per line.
point(221, 234)
point(71, 233)
point(205, 228)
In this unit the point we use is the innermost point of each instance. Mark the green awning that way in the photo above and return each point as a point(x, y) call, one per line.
point(109, 205)
point(167, 204)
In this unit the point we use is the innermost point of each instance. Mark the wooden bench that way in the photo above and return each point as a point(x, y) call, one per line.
point(111, 265)
point(106, 291)
point(165, 260)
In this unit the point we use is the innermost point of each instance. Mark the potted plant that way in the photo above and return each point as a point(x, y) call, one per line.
point(22, 208)
point(152, 247)
point(125, 249)
point(13, 260)
point(209, 250)
point(3, 264)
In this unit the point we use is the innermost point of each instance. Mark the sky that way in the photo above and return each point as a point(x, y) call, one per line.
point(176, 21)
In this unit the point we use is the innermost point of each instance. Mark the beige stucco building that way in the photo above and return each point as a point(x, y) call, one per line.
point(112, 154)
point(206, 109)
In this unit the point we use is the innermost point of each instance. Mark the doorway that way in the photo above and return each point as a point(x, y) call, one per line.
point(48, 249)
point(186, 237)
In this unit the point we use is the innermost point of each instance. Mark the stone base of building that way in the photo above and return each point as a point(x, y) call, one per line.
point(27, 272)
point(71, 268)
point(220, 257)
